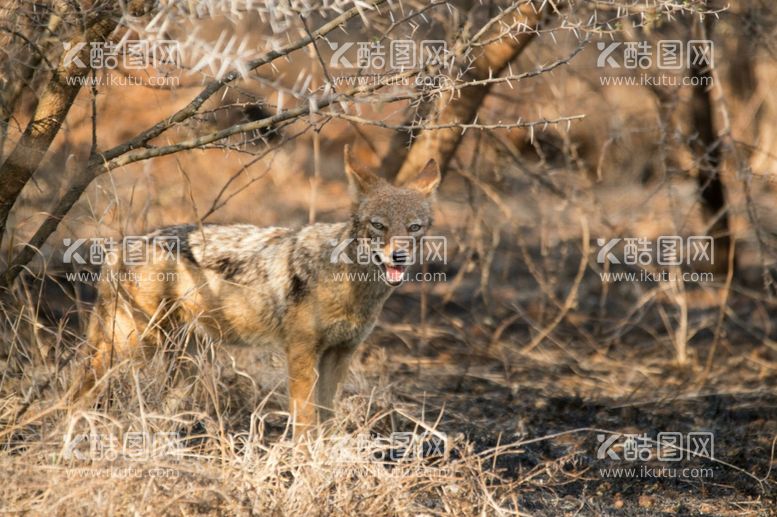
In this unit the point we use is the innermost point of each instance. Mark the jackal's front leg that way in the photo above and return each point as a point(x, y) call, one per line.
point(332, 369)
point(301, 359)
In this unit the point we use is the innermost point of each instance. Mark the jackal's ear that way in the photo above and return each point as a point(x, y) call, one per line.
point(427, 181)
point(360, 180)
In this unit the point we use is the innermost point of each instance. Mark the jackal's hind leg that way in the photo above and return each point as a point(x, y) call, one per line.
point(115, 333)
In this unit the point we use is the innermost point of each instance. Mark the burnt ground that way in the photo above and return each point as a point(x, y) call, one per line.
point(562, 473)
point(600, 371)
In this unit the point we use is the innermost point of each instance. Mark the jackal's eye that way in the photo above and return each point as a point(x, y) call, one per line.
point(378, 226)
point(414, 228)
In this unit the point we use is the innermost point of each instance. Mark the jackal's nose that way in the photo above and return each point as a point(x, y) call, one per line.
point(399, 256)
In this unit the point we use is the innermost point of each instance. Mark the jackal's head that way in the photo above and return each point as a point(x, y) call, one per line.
point(392, 217)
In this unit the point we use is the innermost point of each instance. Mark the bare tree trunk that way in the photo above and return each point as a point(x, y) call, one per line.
point(441, 144)
point(53, 106)
point(400, 140)
point(741, 71)
point(22, 37)
point(708, 153)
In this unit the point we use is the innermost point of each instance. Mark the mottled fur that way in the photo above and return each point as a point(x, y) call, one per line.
point(249, 285)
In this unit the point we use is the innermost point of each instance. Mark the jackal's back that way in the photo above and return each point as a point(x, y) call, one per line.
point(237, 281)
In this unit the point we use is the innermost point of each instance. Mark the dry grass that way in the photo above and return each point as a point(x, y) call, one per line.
point(233, 454)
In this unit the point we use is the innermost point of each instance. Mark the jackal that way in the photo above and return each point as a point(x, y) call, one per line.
point(249, 285)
